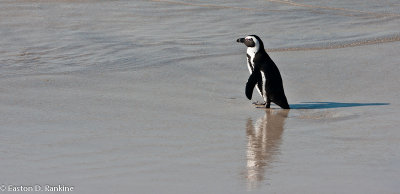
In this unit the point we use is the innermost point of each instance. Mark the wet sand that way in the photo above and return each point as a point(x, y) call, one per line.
point(129, 131)
point(180, 122)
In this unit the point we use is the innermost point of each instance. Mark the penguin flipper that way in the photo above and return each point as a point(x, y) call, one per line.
point(253, 79)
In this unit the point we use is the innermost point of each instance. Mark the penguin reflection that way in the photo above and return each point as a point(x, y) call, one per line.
point(264, 140)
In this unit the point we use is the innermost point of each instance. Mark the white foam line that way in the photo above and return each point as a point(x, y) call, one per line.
point(335, 8)
point(364, 42)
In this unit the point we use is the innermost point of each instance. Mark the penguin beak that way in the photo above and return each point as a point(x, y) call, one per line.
point(241, 40)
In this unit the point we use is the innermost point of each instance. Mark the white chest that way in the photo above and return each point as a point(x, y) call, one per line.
point(251, 52)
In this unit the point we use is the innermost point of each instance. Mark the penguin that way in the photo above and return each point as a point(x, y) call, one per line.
point(263, 73)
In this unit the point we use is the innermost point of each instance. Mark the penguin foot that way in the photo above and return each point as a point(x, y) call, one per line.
point(259, 103)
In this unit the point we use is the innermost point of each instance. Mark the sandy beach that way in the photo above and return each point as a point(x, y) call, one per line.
point(148, 97)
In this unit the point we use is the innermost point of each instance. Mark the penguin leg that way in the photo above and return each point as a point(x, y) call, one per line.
point(268, 104)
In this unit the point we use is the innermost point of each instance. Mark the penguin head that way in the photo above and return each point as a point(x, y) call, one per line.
point(252, 41)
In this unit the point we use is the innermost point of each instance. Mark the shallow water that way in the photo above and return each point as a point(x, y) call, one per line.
point(148, 96)
point(64, 36)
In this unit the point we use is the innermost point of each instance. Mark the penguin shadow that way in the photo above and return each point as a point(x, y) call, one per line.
point(263, 145)
point(328, 105)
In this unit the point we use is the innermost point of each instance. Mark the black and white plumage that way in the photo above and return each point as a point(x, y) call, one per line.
point(263, 73)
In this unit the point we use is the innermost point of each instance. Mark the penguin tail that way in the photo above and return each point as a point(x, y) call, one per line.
point(283, 103)
point(286, 106)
